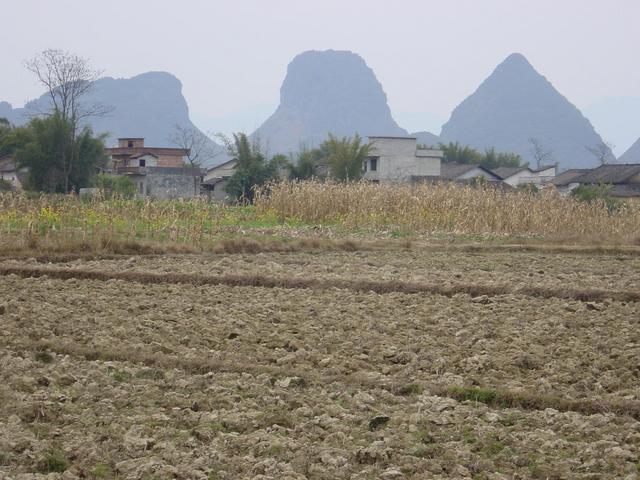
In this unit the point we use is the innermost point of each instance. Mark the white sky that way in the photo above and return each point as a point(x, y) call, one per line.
point(231, 56)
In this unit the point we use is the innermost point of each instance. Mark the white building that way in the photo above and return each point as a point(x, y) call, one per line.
point(397, 159)
point(515, 176)
point(10, 172)
point(216, 179)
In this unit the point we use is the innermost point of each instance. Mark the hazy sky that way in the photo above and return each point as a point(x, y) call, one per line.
point(231, 56)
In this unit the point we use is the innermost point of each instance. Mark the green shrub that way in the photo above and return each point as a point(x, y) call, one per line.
point(5, 185)
point(115, 185)
point(53, 461)
point(595, 193)
point(44, 356)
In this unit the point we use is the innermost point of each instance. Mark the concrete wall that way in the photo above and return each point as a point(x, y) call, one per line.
point(165, 187)
point(149, 161)
point(173, 161)
point(221, 171)
point(527, 176)
point(398, 160)
point(218, 192)
point(166, 183)
point(135, 142)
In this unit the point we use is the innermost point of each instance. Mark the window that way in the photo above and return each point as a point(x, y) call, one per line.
point(130, 144)
point(143, 162)
point(373, 164)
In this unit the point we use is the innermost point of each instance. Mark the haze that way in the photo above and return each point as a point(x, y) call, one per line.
point(231, 56)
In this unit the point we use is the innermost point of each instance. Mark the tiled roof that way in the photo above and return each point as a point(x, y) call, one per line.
point(612, 173)
point(569, 176)
point(506, 172)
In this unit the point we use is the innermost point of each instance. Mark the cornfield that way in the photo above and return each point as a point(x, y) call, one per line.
point(290, 208)
point(451, 209)
point(67, 219)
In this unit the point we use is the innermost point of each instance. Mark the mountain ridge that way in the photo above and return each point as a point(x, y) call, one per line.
point(329, 91)
point(148, 105)
point(516, 103)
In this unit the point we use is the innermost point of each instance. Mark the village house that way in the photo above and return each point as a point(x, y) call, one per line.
point(515, 176)
point(216, 179)
point(398, 159)
point(9, 172)
point(567, 180)
point(623, 179)
point(459, 172)
point(157, 172)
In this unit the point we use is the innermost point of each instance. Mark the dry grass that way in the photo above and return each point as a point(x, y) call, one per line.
point(474, 290)
point(537, 401)
point(497, 398)
point(449, 208)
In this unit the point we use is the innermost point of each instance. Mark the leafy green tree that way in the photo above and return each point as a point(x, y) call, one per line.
point(42, 147)
point(454, 152)
point(5, 132)
point(115, 185)
point(252, 168)
point(68, 79)
point(345, 156)
point(596, 193)
point(306, 165)
point(494, 159)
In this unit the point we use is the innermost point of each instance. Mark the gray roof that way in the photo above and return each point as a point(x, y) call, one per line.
point(499, 184)
point(7, 164)
point(569, 176)
point(506, 172)
point(452, 170)
point(625, 190)
point(613, 173)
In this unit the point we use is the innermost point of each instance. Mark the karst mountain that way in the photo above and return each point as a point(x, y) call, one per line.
point(516, 104)
point(326, 92)
point(149, 105)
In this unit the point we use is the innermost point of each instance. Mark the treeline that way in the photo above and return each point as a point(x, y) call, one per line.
point(490, 158)
point(340, 159)
point(57, 157)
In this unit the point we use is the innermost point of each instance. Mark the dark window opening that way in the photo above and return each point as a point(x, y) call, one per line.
point(373, 164)
point(143, 162)
point(130, 145)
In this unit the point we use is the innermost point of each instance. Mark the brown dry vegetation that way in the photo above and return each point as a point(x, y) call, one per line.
point(449, 208)
point(381, 362)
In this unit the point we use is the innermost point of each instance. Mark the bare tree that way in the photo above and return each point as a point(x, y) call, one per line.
point(202, 149)
point(68, 79)
point(541, 155)
point(602, 151)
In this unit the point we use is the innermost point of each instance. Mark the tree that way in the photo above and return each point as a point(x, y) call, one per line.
point(5, 131)
point(454, 152)
point(252, 169)
point(306, 164)
point(602, 151)
point(42, 147)
point(541, 155)
point(201, 148)
point(345, 156)
point(115, 185)
point(67, 79)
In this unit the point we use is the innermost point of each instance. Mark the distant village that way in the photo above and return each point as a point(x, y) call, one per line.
point(164, 173)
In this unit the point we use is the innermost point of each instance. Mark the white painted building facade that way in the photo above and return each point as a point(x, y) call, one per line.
point(397, 159)
point(524, 175)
